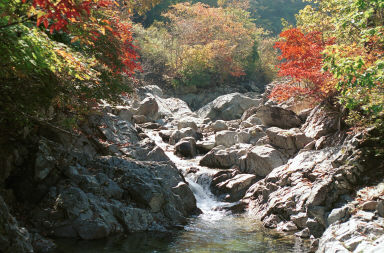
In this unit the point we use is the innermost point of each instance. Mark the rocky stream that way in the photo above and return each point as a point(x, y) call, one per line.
point(241, 174)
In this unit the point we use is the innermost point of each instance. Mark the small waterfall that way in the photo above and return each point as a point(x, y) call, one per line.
point(199, 182)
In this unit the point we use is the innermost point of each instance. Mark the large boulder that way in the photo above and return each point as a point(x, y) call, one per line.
point(186, 147)
point(224, 158)
point(205, 146)
point(226, 138)
point(185, 123)
point(177, 135)
point(218, 125)
point(174, 108)
point(261, 160)
point(233, 189)
point(290, 141)
point(149, 90)
point(227, 107)
point(321, 121)
point(277, 116)
point(149, 108)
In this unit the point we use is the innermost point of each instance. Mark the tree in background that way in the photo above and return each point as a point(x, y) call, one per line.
point(204, 45)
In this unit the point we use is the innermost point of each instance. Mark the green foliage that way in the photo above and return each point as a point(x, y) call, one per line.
point(356, 60)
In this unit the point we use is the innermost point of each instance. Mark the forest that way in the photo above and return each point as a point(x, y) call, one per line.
point(67, 54)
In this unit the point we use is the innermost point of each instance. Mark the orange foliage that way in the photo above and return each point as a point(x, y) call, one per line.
point(110, 36)
point(301, 56)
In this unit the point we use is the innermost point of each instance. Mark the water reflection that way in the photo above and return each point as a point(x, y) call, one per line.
point(228, 234)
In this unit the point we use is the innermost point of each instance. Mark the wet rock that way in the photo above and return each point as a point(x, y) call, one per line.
point(116, 195)
point(186, 147)
point(41, 244)
point(228, 107)
point(219, 125)
point(261, 160)
point(278, 117)
point(187, 197)
point(91, 230)
point(235, 207)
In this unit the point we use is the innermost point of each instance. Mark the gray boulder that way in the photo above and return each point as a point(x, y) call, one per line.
point(290, 141)
point(224, 158)
point(277, 116)
point(261, 160)
point(322, 121)
point(177, 135)
point(219, 125)
point(140, 119)
point(186, 147)
point(227, 107)
point(226, 138)
point(233, 189)
point(185, 124)
point(149, 108)
point(205, 146)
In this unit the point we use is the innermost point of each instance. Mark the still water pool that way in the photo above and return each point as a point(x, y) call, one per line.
point(227, 234)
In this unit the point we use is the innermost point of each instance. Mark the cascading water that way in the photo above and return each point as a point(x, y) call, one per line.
point(205, 200)
point(214, 230)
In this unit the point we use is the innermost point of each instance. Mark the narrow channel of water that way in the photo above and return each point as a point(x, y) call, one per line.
point(215, 230)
